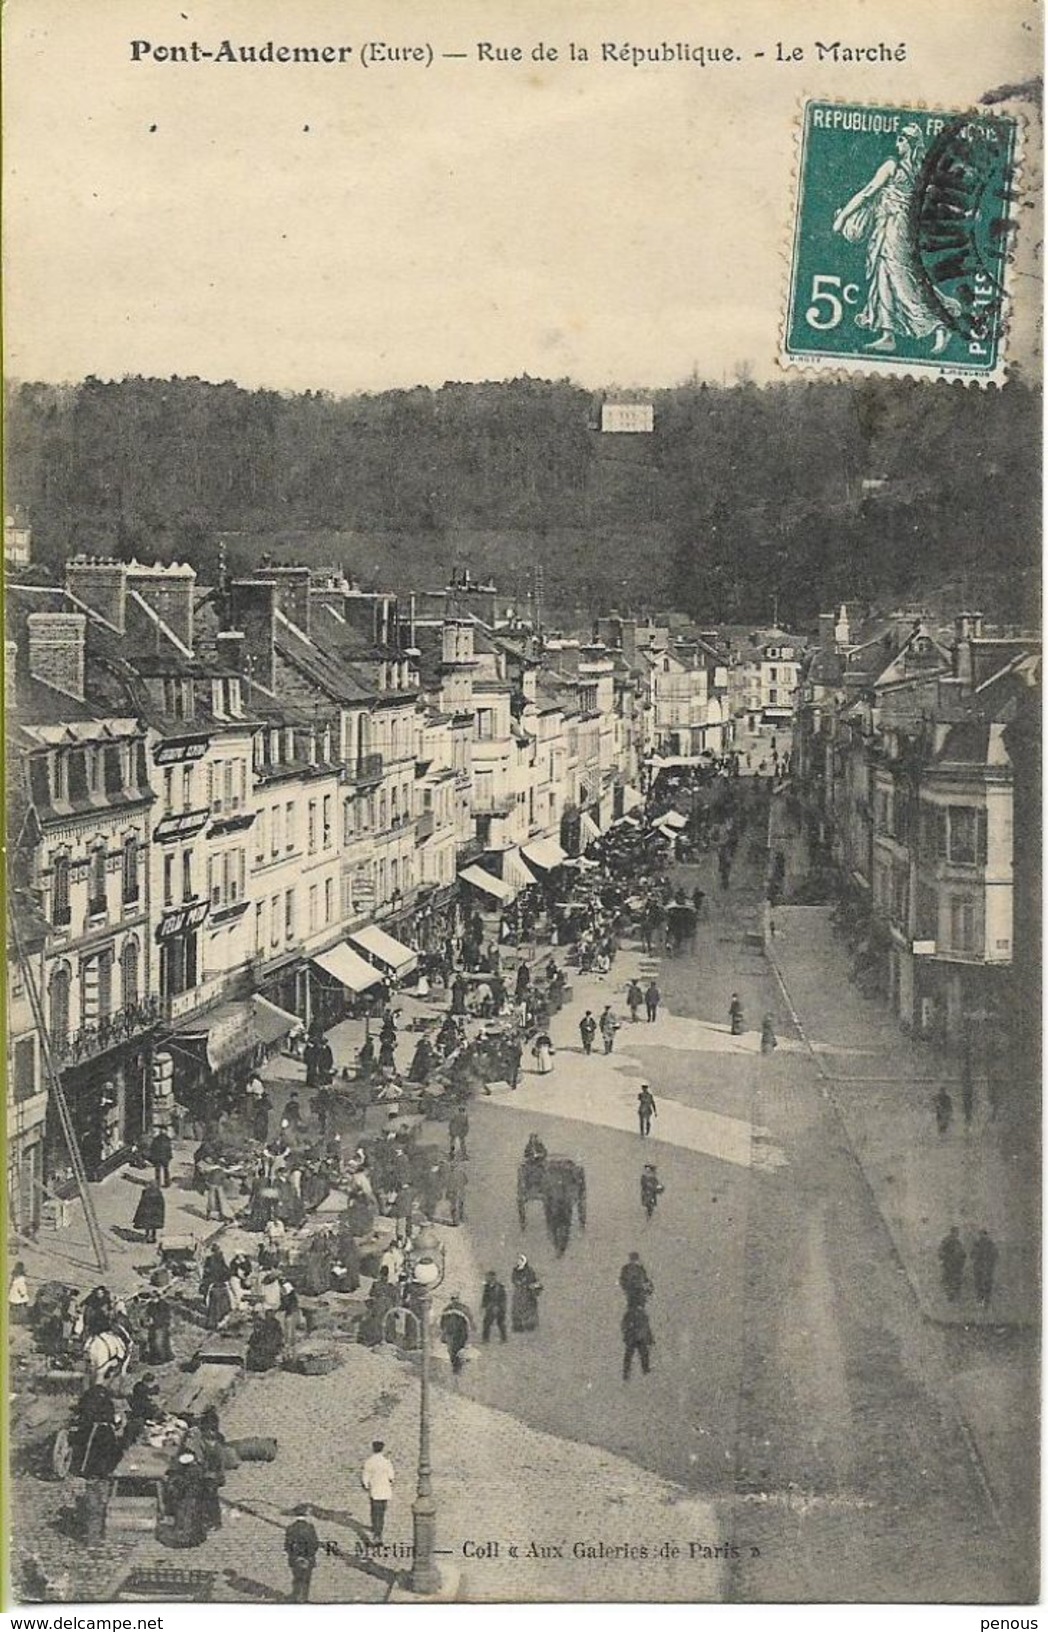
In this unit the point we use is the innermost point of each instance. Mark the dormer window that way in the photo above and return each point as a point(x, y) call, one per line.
point(218, 701)
point(236, 702)
point(274, 748)
point(289, 744)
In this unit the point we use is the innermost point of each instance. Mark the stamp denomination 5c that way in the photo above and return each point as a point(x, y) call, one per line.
point(902, 241)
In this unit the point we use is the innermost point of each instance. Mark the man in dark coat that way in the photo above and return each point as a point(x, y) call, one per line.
point(637, 1338)
point(458, 1128)
point(455, 1329)
point(301, 1544)
point(952, 1258)
point(635, 1281)
point(652, 999)
point(984, 1263)
point(587, 1031)
point(160, 1154)
point(493, 1306)
point(646, 1109)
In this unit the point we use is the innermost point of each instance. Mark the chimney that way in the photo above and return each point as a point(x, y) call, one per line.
point(169, 592)
point(827, 632)
point(101, 584)
point(57, 642)
point(292, 585)
point(253, 610)
point(231, 650)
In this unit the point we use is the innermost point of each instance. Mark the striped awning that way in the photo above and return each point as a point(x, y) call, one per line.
point(348, 968)
point(380, 948)
point(588, 828)
point(516, 871)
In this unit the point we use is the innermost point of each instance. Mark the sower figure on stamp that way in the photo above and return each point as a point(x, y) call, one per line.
point(882, 212)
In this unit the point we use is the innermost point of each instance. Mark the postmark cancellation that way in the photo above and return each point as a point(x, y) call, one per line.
point(902, 242)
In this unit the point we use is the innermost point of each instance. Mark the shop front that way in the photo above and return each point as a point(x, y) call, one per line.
point(343, 985)
point(213, 1053)
point(391, 957)
point(106, 1096)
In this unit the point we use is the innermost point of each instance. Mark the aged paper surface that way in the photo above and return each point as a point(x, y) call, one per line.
point(499, 488)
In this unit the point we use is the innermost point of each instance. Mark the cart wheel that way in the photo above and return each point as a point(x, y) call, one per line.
point(62, 1454)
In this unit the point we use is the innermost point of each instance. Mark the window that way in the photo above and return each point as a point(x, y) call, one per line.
point(187, 788)
point(260, 838)
point(96, 988)
point(274, 834)
point(61, 775)
point(210, 784)
point(962, 924)
point(328, 839)
point(95, 760)
point(96, 880)
point(60, 910)
point(289, 914)
point(129, 871)
point(329, 900)
point(169, 790)
point(228, 785)
point(187, 875)
point(486, 723)
point(23, 1068)
point(260, 926)
point(169, 880)
point(59, 1007)
point(242, 781)
point(274, 921)
point(289, 826)
point(773, 675)
point(347, 822)
point(967, 830)
point(214, 881)
point(217, 783)
point(314, 907)
point(311, 830)
point(129, 976)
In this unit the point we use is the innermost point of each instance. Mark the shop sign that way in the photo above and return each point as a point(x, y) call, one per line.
point(182, 919)
point(186, 824)
point(180, 753)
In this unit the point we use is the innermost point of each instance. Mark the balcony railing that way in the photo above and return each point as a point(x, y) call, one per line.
point(107, 1033)
point(365, 768)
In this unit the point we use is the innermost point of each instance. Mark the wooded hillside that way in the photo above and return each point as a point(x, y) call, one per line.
point(807, 492)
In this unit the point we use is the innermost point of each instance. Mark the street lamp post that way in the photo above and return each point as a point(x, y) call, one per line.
point(427, 1274)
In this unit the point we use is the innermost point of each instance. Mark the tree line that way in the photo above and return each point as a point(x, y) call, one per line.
point(744, 500)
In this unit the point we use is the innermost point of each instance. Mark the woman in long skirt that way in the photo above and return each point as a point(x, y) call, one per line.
point(524, 1301)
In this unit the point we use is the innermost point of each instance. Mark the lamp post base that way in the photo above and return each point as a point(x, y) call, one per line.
point(446, 1590)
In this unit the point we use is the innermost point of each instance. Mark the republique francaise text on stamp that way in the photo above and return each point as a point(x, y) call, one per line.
point(901, 241)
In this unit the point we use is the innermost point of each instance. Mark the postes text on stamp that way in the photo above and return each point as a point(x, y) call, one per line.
point(901, 241)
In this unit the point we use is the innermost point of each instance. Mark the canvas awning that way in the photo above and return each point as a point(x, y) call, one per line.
point(483, 880)
point(516, 871)
point(382, 949)
point(233, 1030)
point(673, 820)
point(348, 968)
point(588, 828)
point(545, 853)
point(631, 799)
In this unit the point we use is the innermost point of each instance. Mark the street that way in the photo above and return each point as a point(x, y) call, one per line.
point(793, 1380)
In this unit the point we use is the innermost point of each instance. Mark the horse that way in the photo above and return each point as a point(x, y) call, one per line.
point(107, 1356)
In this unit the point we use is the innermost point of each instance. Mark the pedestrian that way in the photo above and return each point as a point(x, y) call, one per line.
point(524, 1305)
point(455, 1191)
point(455, 1328)
point(542, 1049)
point(608, 1027)
point(697, 898)
point(261, 1107)
point(943, 1110)
point(967, 1090)
point(186, 1499)
point(637, 1339)
point(291, 1314)
point(646, 1109)
point(635, 1281)
point(216, 1193)
point(160, 1153)
point(18, 1296)
point(493, 1307)
point(301, 1544)
point(513, 1056)
point(650, 1189)
point(652, 999)
point(735, 1015)
point(151, 1210)
point(769, 1040)
point(458, 1128)
point(634, 998)
point(587, 1031)
point(984, 1263)
point(952, 1258)
point(377, 1477)
point(293, 1113)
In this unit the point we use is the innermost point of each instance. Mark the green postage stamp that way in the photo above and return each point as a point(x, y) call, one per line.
point(902, 241)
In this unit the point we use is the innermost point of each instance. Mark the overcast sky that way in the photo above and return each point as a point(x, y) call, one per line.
point(452, 222)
